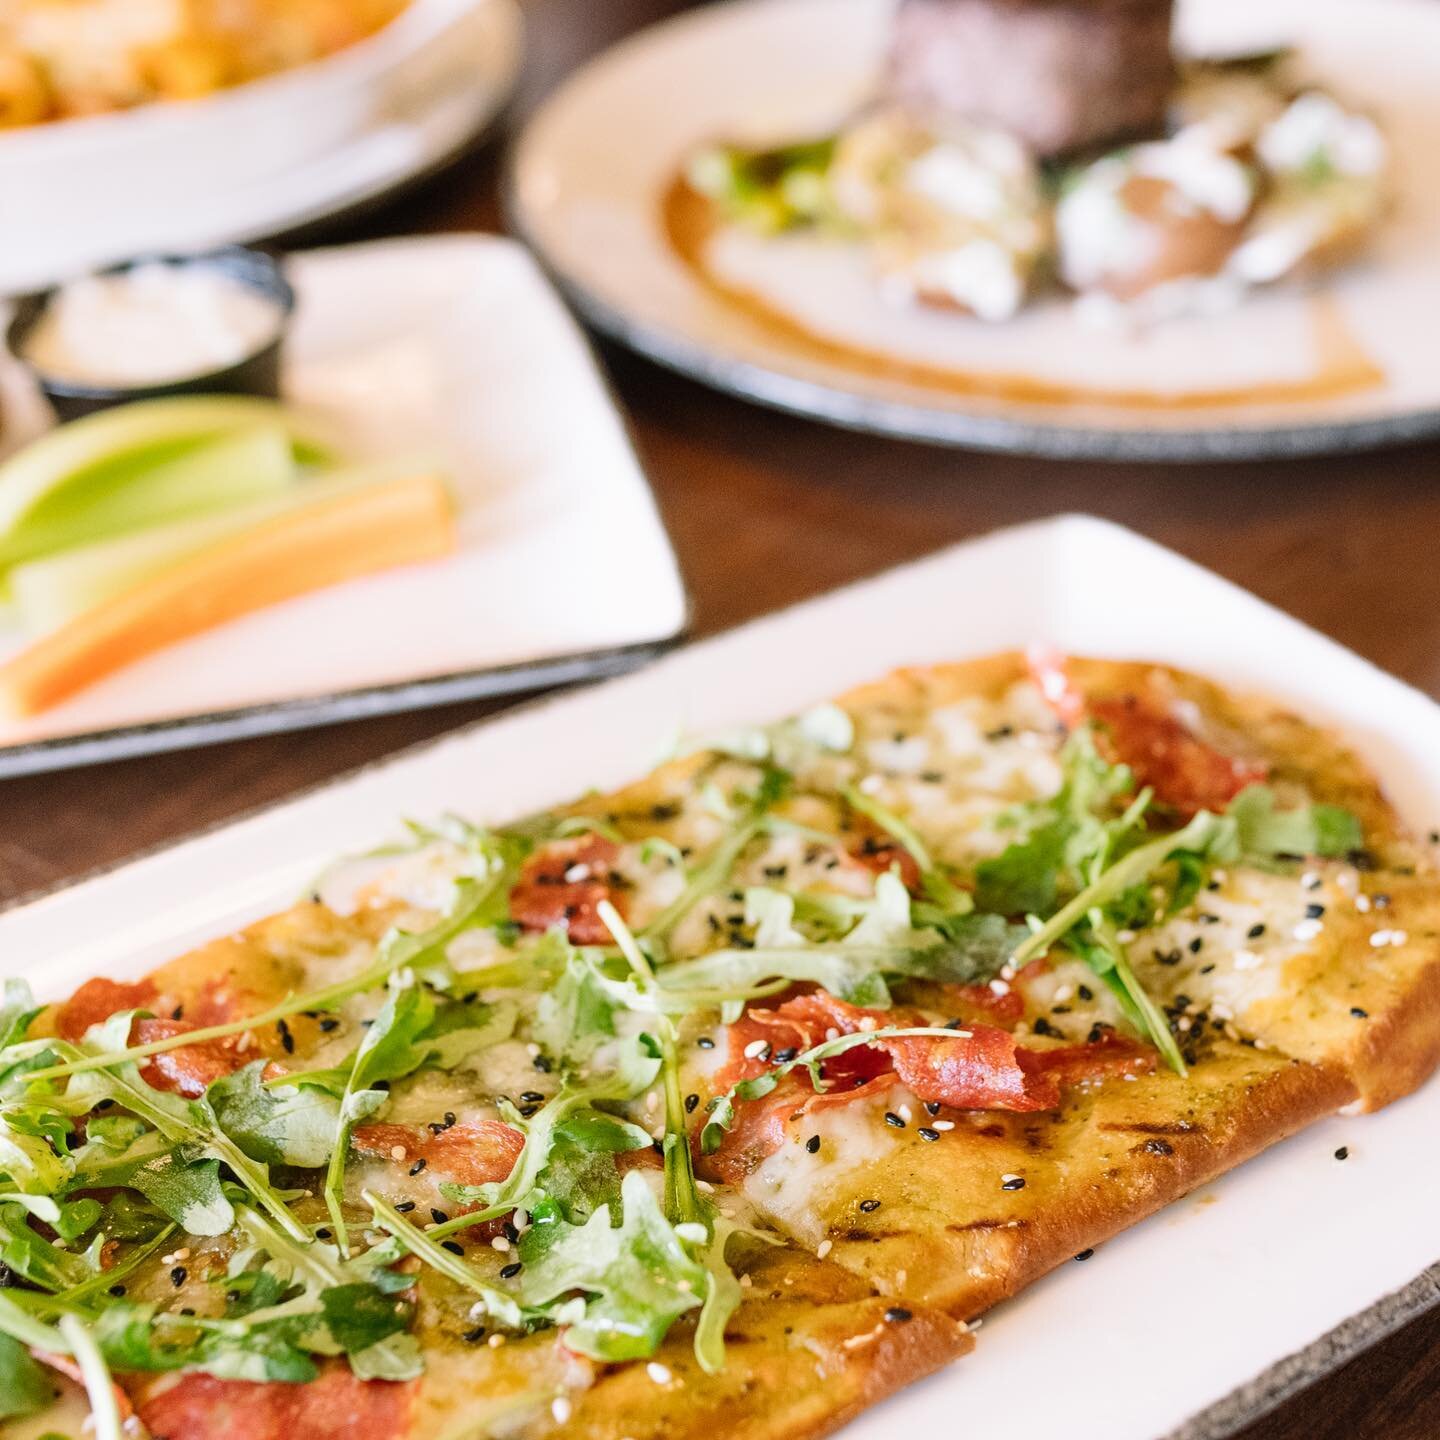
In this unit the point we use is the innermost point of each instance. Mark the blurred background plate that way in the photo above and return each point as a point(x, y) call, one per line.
point(590, 172)
point(455, 352)
point(259, 159)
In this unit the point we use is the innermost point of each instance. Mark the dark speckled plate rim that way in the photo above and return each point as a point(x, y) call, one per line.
point(946, 425)
point(1243, 1406)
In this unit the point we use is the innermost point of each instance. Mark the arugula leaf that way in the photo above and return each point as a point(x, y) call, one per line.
point(95, 1373)
point(281, 1124)
point(28, 1162)
point(26, 1386)
point(936, 884)
point(17, 1010)
point(1265, 830)
point(360, 1317)
point(972, 948)
point(37, 1260)
point(188, 1191)
point(638, 1276)
point(390, 1050)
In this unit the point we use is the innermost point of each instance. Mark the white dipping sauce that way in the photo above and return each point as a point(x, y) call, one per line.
point(151, 324)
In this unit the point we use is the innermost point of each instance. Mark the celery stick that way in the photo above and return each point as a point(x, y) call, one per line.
point(211, 475)
point(82, 467)
point(51, 590)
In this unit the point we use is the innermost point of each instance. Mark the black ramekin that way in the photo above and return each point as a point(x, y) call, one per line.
point(255, 374)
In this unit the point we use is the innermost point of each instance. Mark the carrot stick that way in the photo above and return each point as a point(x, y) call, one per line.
point(397, 522)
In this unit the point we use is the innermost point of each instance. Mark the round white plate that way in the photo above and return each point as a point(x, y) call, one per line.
point(1345, 363)
point(262, 158)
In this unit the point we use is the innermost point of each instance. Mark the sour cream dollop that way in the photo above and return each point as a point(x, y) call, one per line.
point(153, 323)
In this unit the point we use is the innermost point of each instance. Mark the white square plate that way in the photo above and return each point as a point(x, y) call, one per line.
point(1189, 1324)
point(454, 349)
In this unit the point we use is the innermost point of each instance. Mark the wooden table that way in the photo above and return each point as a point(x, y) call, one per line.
point(765, 510)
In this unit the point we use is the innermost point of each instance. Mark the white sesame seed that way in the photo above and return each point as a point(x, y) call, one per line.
point(1008, 1179)
point(942, 1125)
point(1247, 960)
point(755, 1049)
point(532, 1049)
point(1125, 937)
point(1362, 904)
point(501, 1244)
point(1064, 993)
point(868, 1023)
point(659, 1373)
point(870, 785)
point(1183, 1024)
point(1007, 971)
point(1307, 929)
point(999, 987)
point(704, 1187)
point(905, 1113)
point(397, 1152)
point(578, 872)
point(692, 1231)
point(832, 1033)
point(560, 1409)
point(1310, 880)
point(495, 1341)
point(823, 1249)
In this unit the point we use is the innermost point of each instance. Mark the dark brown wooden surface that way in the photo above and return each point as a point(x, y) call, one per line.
point(764, 510)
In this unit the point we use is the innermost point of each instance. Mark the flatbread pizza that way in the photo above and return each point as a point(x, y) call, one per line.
point(724, 1102)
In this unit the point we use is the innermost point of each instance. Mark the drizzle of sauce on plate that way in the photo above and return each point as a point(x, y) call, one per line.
point(689, 221)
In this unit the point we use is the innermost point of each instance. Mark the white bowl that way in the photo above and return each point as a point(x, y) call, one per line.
point(82, 191)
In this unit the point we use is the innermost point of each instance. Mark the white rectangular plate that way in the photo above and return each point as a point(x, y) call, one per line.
point(1196, 1305)
point(457, 351)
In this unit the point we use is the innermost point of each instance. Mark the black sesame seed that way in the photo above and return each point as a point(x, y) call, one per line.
point(287, 1040)
point(869, 1207)
point(510, 1271)
point(1156, 1146)
point(926, 1133)
point(691, 1101)
point(117, 1290)
point(813, 1144)
point(1043, 1027)
point(543, 1063)
point(898, 1315)
point(471, 1336)
point(932, 1107)
point(1380, 902)
point(705, 1043)
point(438, 1216)
point(1015, 1182)
point(449, 1118)
point(1084, 992)
point(329, 1023)
point(1343, 1153)
point(178, 1276)
point(453, 1246)
point(1314, 911)
point(177, 1012)
point(324, 1232)
point(1358, 1013)
point(418, 1166)
point(891, 1118)
point(531, 1097)
point(1085, 1254)
point(1195, 945)
point(511, 1233)
point(1256, 930)
point(785, 1056)
point(1206, 969)
point(527, 1112)
point(405, 1206)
